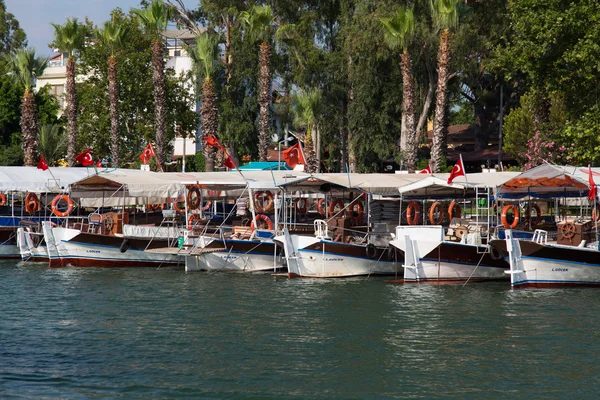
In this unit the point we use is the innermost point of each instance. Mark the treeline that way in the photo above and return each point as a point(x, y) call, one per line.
point(356, 80)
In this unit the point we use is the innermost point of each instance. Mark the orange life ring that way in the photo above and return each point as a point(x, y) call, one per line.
point(2, 199)
point(332, 205)
point(259, 205)
point(192, 219)
point(265, 218)
point(515, 211)
point(207, 205)
point(538, 214)
point(358, 208)
point(453, 209)
point(57, 200)
point(301, 209)
point(320, 207)
point(193, 201)
point(32, 203)
point(436, 209)
point(413, 207)
point(176, 206)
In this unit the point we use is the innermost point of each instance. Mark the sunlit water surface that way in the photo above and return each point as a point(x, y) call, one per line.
point(147, 333)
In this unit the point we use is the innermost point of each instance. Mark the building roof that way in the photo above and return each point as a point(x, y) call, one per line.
point(265, 166)
point(489, 153)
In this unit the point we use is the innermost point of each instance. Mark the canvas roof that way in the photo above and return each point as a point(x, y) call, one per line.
point(548, 180)
point(32, 179)
point(436, 185)
point(378, 184)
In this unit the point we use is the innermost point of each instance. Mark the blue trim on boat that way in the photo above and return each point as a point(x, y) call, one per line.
point(562, 261)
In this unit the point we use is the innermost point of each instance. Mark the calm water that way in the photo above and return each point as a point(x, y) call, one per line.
point(145, 333)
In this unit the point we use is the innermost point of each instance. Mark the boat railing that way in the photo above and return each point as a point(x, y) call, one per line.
point(540, 236)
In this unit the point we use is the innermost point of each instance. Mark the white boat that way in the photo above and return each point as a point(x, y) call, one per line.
point(31, 245)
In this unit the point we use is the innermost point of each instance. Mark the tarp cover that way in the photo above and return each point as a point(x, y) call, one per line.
point(31, 179)
point(436, 186)
point(548, 181)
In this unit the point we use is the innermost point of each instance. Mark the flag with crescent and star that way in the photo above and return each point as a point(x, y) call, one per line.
point(457, 170)
point(426, 170)
point(147, 153)
point(43, 165)
point(85, 158)
point(294, 155)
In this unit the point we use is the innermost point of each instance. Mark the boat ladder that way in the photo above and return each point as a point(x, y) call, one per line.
point(482, 217)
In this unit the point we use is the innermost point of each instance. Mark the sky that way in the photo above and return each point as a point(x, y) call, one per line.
point(35, 16)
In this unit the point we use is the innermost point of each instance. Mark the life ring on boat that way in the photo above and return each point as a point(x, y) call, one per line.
point(206, 205)
point(193, 218)
point(413, 213)
point(436, 215)
point(356, 211)
point(567, 230)
point(154, 207)
point(32, 203)
point(193, 201)
point(264, 218)
point(538, 214)
point(2, 199)
point(371, 251)
point(124, 245)
point(332, 205)
point(109, 223)
point(301, 205)
point(259, 205)
point(320, 207)
point(57, 200)
point(176, 206)
point(515, 211)
point(454, 210)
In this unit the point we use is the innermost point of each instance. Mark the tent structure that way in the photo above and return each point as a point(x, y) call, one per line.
point(547, 181)
point(32, 179)
point(436, 186)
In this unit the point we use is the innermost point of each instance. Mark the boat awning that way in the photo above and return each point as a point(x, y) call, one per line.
point(378, 184)
point(232, 180)
point(32, 179)
point(547, 181)
point(436, 186)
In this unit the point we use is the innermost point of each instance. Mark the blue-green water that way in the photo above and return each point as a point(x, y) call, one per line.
point(146, 333)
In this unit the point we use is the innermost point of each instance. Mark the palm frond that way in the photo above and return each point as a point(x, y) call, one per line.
point(399, 29)
point(69, 37)
point(445, 13)
point(25, 66)
point(156, 17)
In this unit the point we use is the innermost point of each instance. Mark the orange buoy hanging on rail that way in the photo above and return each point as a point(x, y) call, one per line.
point(32, 203)
point(413, 213)
point(260, 205)
point(454, 210)
point(193, 198)
point(356, 211)
point(2, 199)
point(515, 211)
point(262, 218)
point(332, 206)
point(56, 202)
point(436, 215)
point(538, 214)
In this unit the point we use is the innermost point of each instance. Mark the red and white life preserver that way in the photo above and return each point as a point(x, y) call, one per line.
point(259, 205)
point(454, 210)
point(358, 208)
point(193, 218)
point(265, 218)
point(321, 206)
point(331, 210)
point(538, 214)
point(436, 215)
point(2, 199)
point(57, 200)
point(301, 205)
point(515, 211)
point(413, 213)
point(193, 201)
point(32, 203)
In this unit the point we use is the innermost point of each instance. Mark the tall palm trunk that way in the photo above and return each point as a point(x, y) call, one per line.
point(114, 111)
point(158, 79)
point(29, 128)
point(71, 111)
point(408, 112)
point(264, 100)
point(210, 120)
point(309, 153)
point(440, 121)
point(349, 140)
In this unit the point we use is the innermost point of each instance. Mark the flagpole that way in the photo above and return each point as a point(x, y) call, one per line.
point(157, 158)
point(462, 163)
point(53, 177)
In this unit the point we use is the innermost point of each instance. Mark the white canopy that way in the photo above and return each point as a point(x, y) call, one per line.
point(548, 181)
point(379, 184)
point(437, 185)
point(32, 179)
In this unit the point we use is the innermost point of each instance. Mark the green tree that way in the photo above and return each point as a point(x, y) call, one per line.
point(398, 31)
point(52, 143)
point(24, 66)
point(307, 107)
point(12, 37)
point(259, 24)
point(155, 19)
point(445, 18)
point(112, 36)
point(70, 38)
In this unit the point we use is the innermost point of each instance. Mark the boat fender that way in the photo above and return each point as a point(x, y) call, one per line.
point(371, 250)
point(495, 254)
point(124, 246)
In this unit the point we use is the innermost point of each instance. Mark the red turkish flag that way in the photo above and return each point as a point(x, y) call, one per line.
point(294, 156)
point(43, 165)
point(425, 170)
point(212, 140)
point(98, 164)
point(85, 158)
point(147, 153)
point(458, 170)
point(593, 189)
point(229, 162)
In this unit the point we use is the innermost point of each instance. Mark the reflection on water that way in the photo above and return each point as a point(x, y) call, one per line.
point(145, 333)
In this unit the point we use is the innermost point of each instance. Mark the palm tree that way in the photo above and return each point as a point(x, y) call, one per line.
point(25, 67)
point(307, 109)
point(398, 33)
point(260, 27)
point(52, 143)
point(445, 18)
point(204, 56)
point(112, 36)
point(155, 19)
point(69, 38)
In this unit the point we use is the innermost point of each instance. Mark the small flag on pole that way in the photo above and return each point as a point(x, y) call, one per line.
point(457, 170)
point(212, 140)
point(147, 154)
point(593, 189)
point(43, 165)
point(294, 155)
point(98, 164)
point(85, 158)
point(426, 170)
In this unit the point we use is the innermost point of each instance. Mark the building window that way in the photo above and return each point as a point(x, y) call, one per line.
point(58, 90)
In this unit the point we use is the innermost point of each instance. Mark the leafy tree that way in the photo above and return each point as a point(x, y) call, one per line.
point(70, 38)
point(24, 66)
point(112, 36)
point(445, 18)
point(307, 110)
point(154, 18)
point(52, 143)
point(12, 37)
